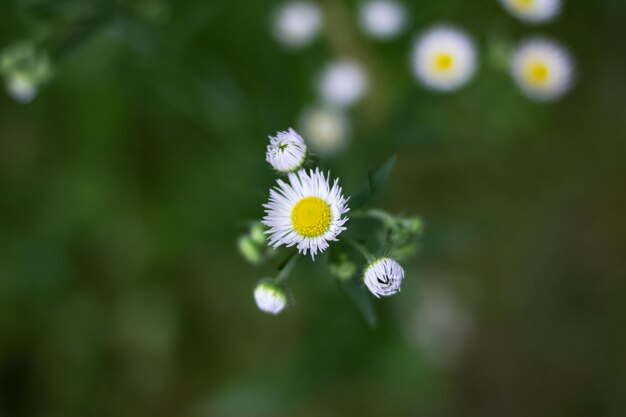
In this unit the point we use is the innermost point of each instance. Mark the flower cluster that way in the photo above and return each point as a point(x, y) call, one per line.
point(307, 210)
point(444, 57)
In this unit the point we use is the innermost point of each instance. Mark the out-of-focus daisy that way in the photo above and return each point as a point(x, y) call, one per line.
point(542, 69)
point(342, 83)
point(286, 151)
point(296, 24)
point(444, 58)
point(534, 11)
point(25, 69)
point(21, 88)
point(382, 19)
point(270, 298)
point(441, 325)
point(327, 130)
point(306, 212)
point(383, 277)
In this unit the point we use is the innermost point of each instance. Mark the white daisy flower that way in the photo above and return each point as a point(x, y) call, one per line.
point(296, 24)
point(286, 151)
point(383, 277)
point(327, 130)
point(542, 69)
point(342, 83)
point(382, 19)
point(534, 11)
point(444, 58)
point(306, 212)
point(270, 298)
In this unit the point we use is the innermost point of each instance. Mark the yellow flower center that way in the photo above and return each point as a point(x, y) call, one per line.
point(538, 73)
point(524, 4)
point(443, 62)
point(311, 217)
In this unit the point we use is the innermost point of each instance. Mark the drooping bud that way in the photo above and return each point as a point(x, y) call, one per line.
point(383, 277)
point(270, 298)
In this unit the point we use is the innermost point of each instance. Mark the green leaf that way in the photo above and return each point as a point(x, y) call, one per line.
point(361, 299)
point(376, 180)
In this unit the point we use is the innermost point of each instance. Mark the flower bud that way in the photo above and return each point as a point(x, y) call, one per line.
point(270, 298)
point(257, 234)
point(383, 277)
point(24, 69)
point(249, 249)
point(286, 151)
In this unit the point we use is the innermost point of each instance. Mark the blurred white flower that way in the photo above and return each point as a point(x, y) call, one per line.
point(382, 19)
point(542, 69)
point(440, 325)
point(383, 276)
point(535, 11)
point(286, 151)
point(327, 130)
point(342, 83)
point(25, 69)
point(296, 24)
point(444, 58)
point(270, 298)
point(307, 212)
point(21, 88)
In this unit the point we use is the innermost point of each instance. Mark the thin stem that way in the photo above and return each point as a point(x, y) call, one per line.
point(387, 219)
point(290, 263)
point(381, 215)
point(359, 247)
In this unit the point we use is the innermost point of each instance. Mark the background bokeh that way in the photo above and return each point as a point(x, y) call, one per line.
point(125, 184)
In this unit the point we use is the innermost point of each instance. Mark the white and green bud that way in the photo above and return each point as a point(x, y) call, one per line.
point(270, 298)
point(24, 69)
point(383, 277)
point(286, 151)
point(21, 88)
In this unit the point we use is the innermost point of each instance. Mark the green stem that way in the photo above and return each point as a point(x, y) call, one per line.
point(289, 264)
point(377, 214)
point(359, 247)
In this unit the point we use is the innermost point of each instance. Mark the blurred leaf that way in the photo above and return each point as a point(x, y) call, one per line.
point(361, 299)
point(376, 180)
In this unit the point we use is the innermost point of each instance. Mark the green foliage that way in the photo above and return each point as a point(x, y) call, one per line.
point(123, 185)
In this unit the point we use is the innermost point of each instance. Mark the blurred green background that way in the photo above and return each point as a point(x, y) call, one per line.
point(125, 184)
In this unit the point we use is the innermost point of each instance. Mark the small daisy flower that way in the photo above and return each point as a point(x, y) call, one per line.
point(444, 58)
point(327, 130)
point(342, 83)
point(270, 298)
point(306, 212)
point(383, 277)
point(297, 24)
point(542, 69)
point(286, 151)
point(382, 19)
point(535, 11)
